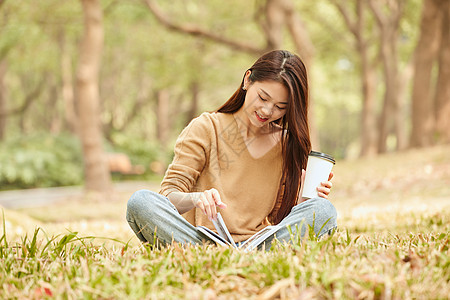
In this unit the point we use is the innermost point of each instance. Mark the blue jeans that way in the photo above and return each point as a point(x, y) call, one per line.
point(154, 218)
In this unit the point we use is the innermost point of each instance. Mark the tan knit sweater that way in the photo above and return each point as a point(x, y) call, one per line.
point(211, 153)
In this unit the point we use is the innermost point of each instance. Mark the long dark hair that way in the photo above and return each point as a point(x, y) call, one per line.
point(288, 69)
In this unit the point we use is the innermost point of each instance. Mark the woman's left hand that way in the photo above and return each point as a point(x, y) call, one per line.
point(325, 187)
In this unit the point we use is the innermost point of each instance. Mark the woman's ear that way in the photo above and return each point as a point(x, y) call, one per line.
point(247, 79)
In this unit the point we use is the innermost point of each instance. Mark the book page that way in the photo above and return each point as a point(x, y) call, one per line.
point(213, 236)
point(222, 229)
point(224, 238)
point(259, 237)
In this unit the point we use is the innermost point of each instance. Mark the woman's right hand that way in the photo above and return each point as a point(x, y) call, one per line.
point(207, 202)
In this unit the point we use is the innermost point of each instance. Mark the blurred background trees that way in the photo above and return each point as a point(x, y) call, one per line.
point(378, 71)
point(96, 173)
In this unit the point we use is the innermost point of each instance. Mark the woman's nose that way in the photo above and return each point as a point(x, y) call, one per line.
point(267, 109)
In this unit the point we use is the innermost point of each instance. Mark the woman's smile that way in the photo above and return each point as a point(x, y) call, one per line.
point(260, 118)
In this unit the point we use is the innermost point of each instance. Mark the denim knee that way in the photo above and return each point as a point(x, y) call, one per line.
point(324, 207)
point(137, 200)
point(147, 200)
point(325, 214)
point(141, 199)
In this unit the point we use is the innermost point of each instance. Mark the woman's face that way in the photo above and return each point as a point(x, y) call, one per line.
point(265, 101)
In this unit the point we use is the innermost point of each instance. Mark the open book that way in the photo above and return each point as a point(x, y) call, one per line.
point(223, 236)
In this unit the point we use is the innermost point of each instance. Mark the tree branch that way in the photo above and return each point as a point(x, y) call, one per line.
point(110, 7)
point(398, 13)
point(299, 34)
point(259, 16)
point(194, 30)
point(379, 17)
point(351, 25)
point(28, 100)
point(137, 108)
point(330, 28)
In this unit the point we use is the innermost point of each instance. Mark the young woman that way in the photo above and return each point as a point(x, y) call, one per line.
point(245, 160)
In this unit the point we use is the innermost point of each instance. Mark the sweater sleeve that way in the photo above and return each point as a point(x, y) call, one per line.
point(190, 156)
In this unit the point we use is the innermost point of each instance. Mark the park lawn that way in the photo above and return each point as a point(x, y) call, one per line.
point(412, 263)
point(392, 243)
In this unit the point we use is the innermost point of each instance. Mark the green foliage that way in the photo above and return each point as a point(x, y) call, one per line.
point(141, 152)
point(141, 57)
point(40, 160)
point(43, 160)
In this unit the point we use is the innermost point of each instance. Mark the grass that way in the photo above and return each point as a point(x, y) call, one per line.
point(347, 265)
point(392, 243)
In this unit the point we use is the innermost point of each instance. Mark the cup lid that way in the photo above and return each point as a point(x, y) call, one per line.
point(323, 155)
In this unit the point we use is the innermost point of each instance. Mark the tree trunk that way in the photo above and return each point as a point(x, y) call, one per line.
point(275, 21)
point(25, 123)
point(192, 113)
point(3, 106)
point(54, 116)
point(390, 108)
point(305, 49)
point(442, 99)
point(402, 105)
point(97, 176)
point(368, 76)
point(368, 87)
point(280, 13)
point(67, 86)
point(163, 118)
point(424, 55)
point(368, 115)
point(388, 24)
point(163, 128)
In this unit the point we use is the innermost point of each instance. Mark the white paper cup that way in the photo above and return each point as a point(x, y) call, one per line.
point(317, 170)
